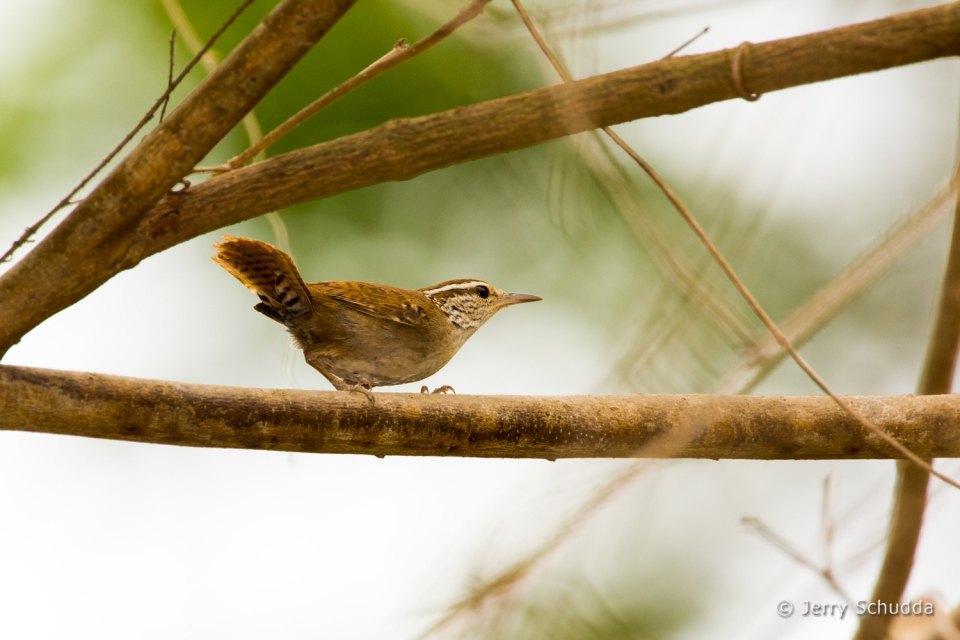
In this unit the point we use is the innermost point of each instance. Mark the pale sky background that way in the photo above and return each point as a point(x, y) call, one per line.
point(116, 540)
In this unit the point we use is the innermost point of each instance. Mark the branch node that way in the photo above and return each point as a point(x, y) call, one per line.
point(737, 77)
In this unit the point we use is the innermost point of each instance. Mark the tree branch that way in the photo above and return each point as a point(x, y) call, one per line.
point(910, 492)
point(90, 245)
point(684, 426)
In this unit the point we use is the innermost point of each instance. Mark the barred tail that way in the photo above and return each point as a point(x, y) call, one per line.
point(268, 272)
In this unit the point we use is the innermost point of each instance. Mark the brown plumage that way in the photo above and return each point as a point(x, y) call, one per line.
point(361, 335)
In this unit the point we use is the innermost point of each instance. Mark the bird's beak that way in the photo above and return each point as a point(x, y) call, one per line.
point(516, 298)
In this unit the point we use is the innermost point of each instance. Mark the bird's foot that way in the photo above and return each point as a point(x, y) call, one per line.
point(444, 389)
point(362, 386)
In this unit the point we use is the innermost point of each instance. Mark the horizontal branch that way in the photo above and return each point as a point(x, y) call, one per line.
point(550, 427)
point(405, 148)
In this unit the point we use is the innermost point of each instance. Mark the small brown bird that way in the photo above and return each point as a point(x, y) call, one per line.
point(361, 335)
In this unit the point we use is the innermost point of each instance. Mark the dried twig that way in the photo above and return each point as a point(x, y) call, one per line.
point(173, 50)
point(400, 53)
point(148, 116)
point(784, 545)
point(728, 269)
point(686, 44)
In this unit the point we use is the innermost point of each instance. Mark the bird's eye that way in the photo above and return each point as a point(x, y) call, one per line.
point(482, 291)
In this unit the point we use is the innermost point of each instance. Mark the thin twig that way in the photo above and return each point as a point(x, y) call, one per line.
point(731, 274)
point(401, 52)
point(35, 227)
point(173, 46)
point(686, 44)
point(784, 545)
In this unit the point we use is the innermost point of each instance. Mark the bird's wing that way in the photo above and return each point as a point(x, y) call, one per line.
point(376, 300)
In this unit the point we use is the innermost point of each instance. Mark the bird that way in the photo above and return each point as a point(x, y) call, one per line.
point(361, 335)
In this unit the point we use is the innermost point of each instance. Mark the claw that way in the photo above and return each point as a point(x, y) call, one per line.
point(444, 389)
point(364, 387)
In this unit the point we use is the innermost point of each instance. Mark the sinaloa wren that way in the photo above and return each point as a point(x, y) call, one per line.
point(361, 335)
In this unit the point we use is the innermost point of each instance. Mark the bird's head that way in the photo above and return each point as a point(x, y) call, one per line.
point(469, 303)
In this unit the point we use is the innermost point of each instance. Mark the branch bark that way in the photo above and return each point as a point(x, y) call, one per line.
point(92, 243)
point(687, 426)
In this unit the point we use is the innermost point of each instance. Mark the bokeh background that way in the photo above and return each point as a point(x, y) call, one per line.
point(116, 540)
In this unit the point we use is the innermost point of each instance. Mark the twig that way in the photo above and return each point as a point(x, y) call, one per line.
point(401, 52)
point(173, 46)
point(686, 44)
point(35, 227)
point(784, 545)
point(728, 269)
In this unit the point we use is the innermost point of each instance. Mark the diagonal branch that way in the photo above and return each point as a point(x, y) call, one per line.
point(743, 427)
point(89, 246)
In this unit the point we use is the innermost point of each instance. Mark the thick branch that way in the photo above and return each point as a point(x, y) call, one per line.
point(403, 149)
point(90, 245)
point(691, 426)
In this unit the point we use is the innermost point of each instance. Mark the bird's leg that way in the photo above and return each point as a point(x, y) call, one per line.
point(444, 389)
point(362, 386)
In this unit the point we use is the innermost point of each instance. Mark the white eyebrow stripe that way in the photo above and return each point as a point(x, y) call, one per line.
point(456, 285)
